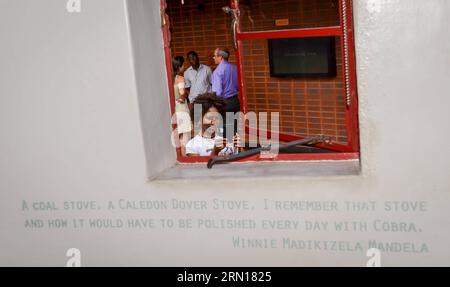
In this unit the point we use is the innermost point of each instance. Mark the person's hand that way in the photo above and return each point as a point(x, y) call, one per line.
point(219, 142)
point(181, 101)
point(237, 141)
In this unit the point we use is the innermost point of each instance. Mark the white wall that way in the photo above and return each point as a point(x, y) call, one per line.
point(70, 123)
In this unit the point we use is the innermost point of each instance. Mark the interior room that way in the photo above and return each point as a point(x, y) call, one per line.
point(309, 102)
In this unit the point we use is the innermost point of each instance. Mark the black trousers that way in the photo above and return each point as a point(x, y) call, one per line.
point(232, 105)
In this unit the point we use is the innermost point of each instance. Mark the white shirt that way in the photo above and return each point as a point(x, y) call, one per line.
point(198, 81)
point(200, 145)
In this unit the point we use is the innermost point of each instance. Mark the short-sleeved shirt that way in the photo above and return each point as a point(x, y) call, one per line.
point(200, 145)
point(198, 81)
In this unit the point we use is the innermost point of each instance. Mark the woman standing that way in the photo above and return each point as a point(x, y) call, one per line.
point(181, 106)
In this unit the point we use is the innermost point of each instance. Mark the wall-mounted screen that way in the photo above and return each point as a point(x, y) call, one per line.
point(302, 57)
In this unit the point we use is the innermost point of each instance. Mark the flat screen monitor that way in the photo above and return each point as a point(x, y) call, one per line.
point(302, 57)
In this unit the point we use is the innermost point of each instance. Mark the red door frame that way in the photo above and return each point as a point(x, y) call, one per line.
point(344, 152)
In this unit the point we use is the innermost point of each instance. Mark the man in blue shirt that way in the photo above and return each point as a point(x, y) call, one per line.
point(225, 83)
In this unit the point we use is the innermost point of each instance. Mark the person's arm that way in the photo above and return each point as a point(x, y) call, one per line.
point(187, 83)
point(182, 90)
point(238, 143)
point(217, 83)
point(209, 78)
point(219, 144)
